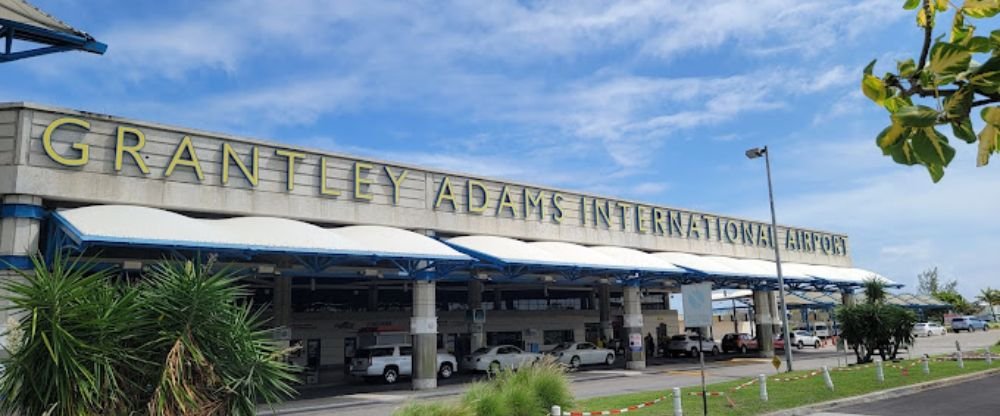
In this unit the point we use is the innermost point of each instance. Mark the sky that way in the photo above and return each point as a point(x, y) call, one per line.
point(649, 100)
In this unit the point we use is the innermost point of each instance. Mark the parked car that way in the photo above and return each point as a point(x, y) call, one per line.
point(492, 359)
point(926, 329)
point(800, 339)
point(390, 362)
point(968, 323)
point(738, 342)
point(821, 330)
point(688, 344)
point(576, 354)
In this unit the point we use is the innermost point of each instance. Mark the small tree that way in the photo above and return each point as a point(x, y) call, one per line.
point(990, 297)
point(875, 326)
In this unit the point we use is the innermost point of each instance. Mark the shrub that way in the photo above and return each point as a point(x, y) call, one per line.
point(181, 342)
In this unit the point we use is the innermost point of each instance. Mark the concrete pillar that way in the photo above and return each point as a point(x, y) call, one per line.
point(282, 303)
point(423, 329)
point(604, 310)
point(372, 297)
point(772, 300)
point(477, 331)
point(848, 298)
point(20, 228)
point(497, 299)
point(632, 299)
point(763, 320)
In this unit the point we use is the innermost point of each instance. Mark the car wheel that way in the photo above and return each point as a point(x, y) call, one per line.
point(693, 352)
point(390, 375)
point(715, 350)
point(743, 349)
point(800, 345)
point(446, 371)
point(610, 359)
point(929, 334)
point(494, 368)
point(574, 362)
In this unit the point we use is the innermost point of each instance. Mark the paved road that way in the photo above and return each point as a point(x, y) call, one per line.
point(380, 400)
point(979, 397)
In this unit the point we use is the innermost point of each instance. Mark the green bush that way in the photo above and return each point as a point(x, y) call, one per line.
point(530, 391)
point(180, 342)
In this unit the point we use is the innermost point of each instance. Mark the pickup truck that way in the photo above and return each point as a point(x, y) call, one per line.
point(390, 362)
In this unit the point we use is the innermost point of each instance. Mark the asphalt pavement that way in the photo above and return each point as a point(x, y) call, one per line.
point(978, 397)
point(378, 400)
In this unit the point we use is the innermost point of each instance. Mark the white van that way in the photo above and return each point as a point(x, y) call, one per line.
point(821, 330)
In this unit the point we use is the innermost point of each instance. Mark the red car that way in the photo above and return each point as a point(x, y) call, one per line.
point(738, 343)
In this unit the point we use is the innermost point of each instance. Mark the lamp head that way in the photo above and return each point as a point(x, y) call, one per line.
point(756, 152)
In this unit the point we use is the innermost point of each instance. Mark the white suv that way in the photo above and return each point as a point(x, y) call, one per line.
point(688, 344)
point(389, 362)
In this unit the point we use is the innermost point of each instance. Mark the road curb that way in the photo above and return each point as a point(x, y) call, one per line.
point(885, 394)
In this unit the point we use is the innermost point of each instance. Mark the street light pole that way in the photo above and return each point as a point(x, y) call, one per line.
point(753, 154)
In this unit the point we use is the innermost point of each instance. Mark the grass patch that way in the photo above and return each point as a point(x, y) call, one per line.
point(785, 395)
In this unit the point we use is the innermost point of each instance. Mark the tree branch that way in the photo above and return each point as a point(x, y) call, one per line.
point(927, 37)
point(985, 101)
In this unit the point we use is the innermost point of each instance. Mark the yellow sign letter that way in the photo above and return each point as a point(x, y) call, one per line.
point(228, 153)
point(121, 148)
point(291, 156)
point(187, 147)
point(82, 147)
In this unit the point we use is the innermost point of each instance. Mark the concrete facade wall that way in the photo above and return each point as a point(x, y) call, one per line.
point(98, 182)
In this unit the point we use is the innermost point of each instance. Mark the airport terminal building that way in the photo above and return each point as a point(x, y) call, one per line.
point(346, 249)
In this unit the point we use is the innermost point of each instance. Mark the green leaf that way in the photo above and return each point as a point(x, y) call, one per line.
point(916, 116)
point(957, 105)
point(906, 68)
point(936, 171)
point(911, 4)
point(979, 44)
point(987, 144)
point(871, 65)
point(941, 5)
point(949, 59)
point(889, 137)
point(893, 104)
point(903, 154)
point(959, 31)
point(963, 130)
point(995, 41)
point(874, 88)
point(932, 147)
point(981, 8)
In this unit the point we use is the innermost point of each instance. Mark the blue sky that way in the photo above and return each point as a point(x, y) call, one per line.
point(651, 100)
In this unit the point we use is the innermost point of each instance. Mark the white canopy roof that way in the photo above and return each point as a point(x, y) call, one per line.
point(507, 250)
point(126, 224)
point(639, 259)
point(697, 263)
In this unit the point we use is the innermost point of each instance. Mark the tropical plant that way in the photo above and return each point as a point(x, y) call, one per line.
point(941, 88)
point(181, 342)
point(216, 358)
point(990, 297)
point(876, 326)
point(531, 390)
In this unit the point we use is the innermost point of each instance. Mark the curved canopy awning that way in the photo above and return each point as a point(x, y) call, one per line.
point(23, 22)
point(640, 260)
point(150, 227)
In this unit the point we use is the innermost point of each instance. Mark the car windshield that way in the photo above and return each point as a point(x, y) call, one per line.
point(374, 352)
point(563, 346)
point(482, 350)
point(958, 320)
point(729, 337)
point(678, 338)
